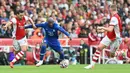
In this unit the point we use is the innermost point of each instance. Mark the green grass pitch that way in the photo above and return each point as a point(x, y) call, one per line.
point(109, 68)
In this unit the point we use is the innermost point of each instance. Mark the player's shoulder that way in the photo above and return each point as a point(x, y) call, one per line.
point(114, 19)
point(56, 24)
point(45, 23)
point(14, 20)
point(25, 16)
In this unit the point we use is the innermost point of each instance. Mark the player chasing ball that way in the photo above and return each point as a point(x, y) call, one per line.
point(113, 37)
point(50, 31)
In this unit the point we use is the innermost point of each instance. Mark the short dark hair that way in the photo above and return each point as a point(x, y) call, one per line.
point(19, 11)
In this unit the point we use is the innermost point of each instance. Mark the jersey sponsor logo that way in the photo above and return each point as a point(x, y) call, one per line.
point(20, 26)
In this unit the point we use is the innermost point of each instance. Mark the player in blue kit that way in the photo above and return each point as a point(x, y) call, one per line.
point(51, 38)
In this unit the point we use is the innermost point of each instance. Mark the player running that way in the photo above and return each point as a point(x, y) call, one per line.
point(51, 38)
point(113, 37)
point(18, 23)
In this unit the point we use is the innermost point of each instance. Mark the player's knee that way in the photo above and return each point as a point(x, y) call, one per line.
point(99, 48)
point(43, 47)
point(44, 44)
point(24, 48)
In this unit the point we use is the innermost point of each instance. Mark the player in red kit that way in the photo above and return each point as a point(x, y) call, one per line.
point(113, 37)
point(19, 36)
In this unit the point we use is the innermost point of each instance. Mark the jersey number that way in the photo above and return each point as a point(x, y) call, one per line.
point(50, 33)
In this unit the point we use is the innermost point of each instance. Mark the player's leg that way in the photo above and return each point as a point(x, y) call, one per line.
point(105, 42)
point(96, 56)
point(23, 45)
point(59, 49)
point(114, 46)
point(42, 53)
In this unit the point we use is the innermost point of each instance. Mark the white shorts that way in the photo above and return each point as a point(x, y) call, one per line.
point(18, 43)
point(22, 41)
point(113, 44)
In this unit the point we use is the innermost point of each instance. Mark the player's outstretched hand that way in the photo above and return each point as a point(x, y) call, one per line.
point(70, 38)
point(34, 27)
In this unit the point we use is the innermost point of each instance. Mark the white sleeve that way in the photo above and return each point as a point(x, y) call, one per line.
point(13, 20)
point(113, 21)
point(13, 33)
point(26, 18)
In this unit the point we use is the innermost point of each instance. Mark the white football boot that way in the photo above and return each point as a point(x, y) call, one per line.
point(90, 66)
point(39, 63)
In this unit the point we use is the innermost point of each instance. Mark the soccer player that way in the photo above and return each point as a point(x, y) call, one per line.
point(20, 35)
point(113, 37)
point(51, 38)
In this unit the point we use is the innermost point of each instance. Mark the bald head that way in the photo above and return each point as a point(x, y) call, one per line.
point(50, 20)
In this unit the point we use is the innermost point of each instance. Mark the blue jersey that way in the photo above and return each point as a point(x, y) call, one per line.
point(50, 33)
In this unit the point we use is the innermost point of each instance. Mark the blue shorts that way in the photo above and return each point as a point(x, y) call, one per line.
point(57, 47)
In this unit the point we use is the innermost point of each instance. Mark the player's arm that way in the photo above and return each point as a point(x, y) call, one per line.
point(63, 31)
point(12, 21)
point(103, 29)
point(30, 20)
point(113, 22)
point(37, 25)
point(7, 24)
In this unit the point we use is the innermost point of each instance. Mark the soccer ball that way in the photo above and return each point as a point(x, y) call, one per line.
point(64, 63)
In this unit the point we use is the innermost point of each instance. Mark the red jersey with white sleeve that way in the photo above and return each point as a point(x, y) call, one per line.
point(19, 30)
point(117, 23)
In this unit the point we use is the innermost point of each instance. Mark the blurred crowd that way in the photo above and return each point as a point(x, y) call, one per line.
point(79, 17)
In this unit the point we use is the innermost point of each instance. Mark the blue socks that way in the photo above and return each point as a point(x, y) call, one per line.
point(61, 55)
point(43, 51)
